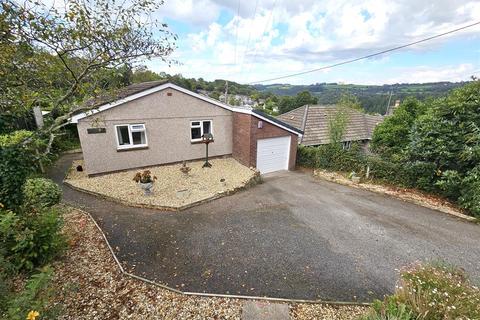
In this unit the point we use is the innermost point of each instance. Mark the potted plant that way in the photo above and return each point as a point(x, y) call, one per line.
point(145, 180)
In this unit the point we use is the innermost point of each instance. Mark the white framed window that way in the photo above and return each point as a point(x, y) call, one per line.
point(131, 136)
point(199, 128)
point(346, 145)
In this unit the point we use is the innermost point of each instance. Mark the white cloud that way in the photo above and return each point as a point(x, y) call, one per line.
point(294, 36)
point(459, 72)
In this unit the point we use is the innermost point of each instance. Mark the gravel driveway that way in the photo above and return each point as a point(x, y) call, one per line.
point(290, 237)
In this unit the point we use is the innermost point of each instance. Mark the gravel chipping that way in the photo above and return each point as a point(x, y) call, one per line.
point(89, 285)
point(304, 311)
point(173, 188)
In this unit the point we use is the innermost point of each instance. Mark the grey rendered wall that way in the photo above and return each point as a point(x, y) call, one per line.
point(167, 121)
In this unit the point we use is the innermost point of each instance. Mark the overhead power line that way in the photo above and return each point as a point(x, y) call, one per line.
point(236, 31)
point(249, 35)
point(262, 35)
point(367, 56)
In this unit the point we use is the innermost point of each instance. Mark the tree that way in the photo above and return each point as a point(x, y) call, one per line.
point(142, 74)
point(286, 103)
point(81, 40)
point(392, 137)
point(350, 101)
point(337, 124)
point(304, 98)
point(449, 133)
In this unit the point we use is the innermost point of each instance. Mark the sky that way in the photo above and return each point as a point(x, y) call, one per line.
point(249, 41)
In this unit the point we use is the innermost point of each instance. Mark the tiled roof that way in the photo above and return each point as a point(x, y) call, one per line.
point(313, 121)
point(123, 93)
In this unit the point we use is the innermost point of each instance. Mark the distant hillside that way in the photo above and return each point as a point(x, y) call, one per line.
point(374, 98)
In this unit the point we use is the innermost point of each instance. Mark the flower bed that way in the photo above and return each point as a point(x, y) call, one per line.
point(173, 190)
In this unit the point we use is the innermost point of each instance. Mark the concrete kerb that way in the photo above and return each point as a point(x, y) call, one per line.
point(211, 295)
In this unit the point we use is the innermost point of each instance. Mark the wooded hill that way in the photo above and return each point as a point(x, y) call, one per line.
point(373, 98)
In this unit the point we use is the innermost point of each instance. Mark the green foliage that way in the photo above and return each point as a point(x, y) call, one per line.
point(331, 157)
point(17, 162)
point(439, 292)
point(31, 239)
point(287, 103)
point(41, 193)
point(449, 184)
point(373, 98)
point(448, 134)
point(348, 100)
point(34, 297)
point(337, 126)
point(429, 292)
point(391, 137)
point(389, 309)
point(5, 283)
point(470, 192)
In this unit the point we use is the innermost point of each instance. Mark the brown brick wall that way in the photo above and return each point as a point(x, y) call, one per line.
point(245, 136)
point(241, 138)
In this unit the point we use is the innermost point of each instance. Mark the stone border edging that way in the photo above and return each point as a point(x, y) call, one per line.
point(211, 295)
point(419, 203)
point(256, 179)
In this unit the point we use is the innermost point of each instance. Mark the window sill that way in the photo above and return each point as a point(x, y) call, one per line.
point(133, 148)
point(195, 141)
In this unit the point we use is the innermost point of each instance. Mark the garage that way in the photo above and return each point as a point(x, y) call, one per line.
point(273, 154)
point(263, 142)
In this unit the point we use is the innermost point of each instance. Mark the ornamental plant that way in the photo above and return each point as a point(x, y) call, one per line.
point(429, 292)
point(144, 177)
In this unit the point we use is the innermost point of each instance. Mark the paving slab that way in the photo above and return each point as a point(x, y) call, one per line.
point(259, 310)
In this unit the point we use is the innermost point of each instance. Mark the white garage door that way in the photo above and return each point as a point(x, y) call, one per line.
point(273, 154)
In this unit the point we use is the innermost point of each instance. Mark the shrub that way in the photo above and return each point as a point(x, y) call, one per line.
point(387, 171)
point(450, 184)
point(33, 239)
point(331, 157)
point(421, 175)
point(389, 309)
point(17, 162)
point(306, 156)
point(34, 297)
point(41, 193)
point(470, 193)
point(430, 292)
point(5, 271)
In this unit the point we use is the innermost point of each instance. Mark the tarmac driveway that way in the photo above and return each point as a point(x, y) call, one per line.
point(290, 237)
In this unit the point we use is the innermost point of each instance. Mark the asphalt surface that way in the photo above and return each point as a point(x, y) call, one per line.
point(291, 237)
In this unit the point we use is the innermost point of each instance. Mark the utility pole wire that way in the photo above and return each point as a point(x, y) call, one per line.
point(263, 35)
point(249, 36)
point(368, 56)
point(236, 31)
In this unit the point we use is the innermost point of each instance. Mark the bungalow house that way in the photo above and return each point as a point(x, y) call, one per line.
point(158, 122)
point(314, 121)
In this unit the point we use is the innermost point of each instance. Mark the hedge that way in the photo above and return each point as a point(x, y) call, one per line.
point(409, 174)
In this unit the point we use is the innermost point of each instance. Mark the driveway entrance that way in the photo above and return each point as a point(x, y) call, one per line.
point(290, 237)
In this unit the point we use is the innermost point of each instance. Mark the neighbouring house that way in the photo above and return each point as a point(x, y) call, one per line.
point(314, 121)
point(157, 122)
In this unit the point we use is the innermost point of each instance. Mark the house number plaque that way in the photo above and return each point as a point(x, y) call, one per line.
point(96, 130)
